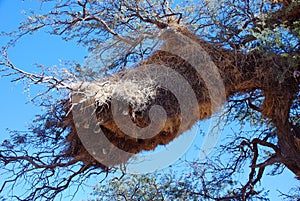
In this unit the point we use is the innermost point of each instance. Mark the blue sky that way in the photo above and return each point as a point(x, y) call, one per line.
point(48, 50)
point(39, 48)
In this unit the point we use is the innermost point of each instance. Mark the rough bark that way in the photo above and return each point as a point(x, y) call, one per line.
point(278, 103)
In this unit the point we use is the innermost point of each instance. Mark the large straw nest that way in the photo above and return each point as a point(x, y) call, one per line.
point(138, 90)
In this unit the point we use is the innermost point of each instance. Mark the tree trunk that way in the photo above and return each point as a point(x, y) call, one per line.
point(279, 103)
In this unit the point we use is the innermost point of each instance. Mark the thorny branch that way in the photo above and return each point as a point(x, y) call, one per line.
point(34, 78)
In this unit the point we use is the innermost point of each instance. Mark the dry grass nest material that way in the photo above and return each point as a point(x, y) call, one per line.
point(139, 89)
